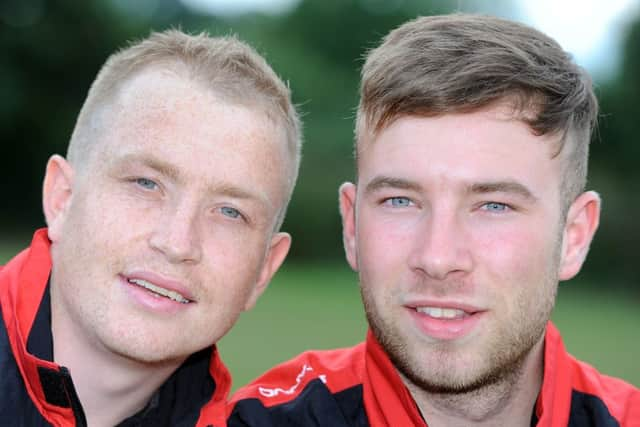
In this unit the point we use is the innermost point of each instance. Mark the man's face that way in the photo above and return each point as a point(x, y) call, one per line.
point(165, 234)
point(456, 229)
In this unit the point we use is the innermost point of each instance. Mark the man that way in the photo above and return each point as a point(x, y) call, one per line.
point(471, 140)
point(162, 227)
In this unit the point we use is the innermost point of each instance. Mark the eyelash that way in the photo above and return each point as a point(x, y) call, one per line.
point(234, 211)
point(389, 202)
point(144, 182)
point(486, 206)
point(504, 207)
point(148, 184)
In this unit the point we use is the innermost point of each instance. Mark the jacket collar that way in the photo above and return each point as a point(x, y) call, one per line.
point(554, 401)
point(389, 402)
point(47, 383)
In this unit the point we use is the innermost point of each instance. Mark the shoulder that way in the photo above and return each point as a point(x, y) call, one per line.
point(336, 369)
point(596, 393)
point(314, 388)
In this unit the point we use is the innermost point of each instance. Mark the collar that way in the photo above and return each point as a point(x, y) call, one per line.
point(386, 399)
point(25, 280)
point(554, 401)
point(201, 383)
point(389, 402)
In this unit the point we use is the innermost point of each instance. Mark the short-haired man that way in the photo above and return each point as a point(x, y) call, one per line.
point(471, 138)
point(162, 227)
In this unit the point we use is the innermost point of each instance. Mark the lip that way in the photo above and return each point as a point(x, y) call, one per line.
point(446, 329)
point(162, 281)
point(457, 305)
point(151, 301)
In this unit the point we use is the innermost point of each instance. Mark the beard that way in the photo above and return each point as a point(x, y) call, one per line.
point(495, 358)
point(443, 374)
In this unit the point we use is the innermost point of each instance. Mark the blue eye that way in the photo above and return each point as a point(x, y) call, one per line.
point(495, 207)
point(230, 212)
point(146, 183)
point(398, 202)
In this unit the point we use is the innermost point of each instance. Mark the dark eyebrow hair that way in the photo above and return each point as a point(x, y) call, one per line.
point(382, 181)
point(511, 187)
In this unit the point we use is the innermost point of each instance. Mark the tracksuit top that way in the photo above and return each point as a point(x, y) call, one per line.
point(35, 391)
point(359, 386)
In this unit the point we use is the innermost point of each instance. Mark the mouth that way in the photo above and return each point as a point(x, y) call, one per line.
point(446, 321)
point(159, 291)
point(443, 313)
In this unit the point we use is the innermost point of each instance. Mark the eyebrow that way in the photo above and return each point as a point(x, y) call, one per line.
point(509, 187)
point(381, 181)
point(173, 173)
point(163, 167)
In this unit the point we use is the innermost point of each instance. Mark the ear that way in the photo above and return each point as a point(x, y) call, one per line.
point(56, 194)
point(583, 218)
point(347, 196)
point(278, 250)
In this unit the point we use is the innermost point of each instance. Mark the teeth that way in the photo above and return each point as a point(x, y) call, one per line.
point(173, 295)
point(441, 313)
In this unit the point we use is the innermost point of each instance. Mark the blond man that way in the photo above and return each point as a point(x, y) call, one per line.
point(469, 207)
point(162, 227)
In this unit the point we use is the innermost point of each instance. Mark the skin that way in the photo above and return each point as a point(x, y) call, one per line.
point(463, 213)
point(183, 190)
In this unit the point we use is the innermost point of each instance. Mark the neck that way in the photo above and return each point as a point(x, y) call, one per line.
point(509, 401)
point(111, 387)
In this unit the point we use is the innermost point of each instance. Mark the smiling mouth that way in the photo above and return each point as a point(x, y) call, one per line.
point(161, 292)
point(443, 313)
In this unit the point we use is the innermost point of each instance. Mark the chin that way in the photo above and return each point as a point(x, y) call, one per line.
point(150, 350)
point(459, 371)
point(147, 357)
point(464, 383)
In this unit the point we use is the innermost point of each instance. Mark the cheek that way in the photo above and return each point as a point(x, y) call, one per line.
point(387, 236)
point(383, 250)
point(235, 259)
point(112, 210)
point(519, 252)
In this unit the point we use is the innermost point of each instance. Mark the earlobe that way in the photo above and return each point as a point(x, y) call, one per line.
point(278, 250)
point(56, 194)
point(347, 196)
point(583, 218)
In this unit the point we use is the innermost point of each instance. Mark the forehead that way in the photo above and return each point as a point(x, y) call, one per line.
point(487, 144)
point(204, 137)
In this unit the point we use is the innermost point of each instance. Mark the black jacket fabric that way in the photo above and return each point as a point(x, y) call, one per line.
point(34, 391)
point(358, 387)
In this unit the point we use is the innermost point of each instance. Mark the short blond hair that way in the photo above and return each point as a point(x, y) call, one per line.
point(229, 67)
point(462, 63)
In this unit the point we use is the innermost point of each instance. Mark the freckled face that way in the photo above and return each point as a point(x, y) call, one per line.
point(168, 233)
point(455, 229)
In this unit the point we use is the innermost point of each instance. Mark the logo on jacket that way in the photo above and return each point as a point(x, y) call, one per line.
point(273, 392)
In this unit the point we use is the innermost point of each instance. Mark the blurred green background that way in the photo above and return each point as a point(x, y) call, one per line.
point(52, 49)
point(315, 306)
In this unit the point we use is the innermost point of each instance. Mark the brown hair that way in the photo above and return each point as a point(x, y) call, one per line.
point(226, 65)
point(462, 63)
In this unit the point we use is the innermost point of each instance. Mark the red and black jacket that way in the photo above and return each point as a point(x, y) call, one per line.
point(34, 391)
point(359, 386)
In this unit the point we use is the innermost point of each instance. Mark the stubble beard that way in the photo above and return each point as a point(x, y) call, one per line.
point(499, 363)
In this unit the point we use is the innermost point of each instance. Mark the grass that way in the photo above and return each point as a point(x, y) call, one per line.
point(304, 308)
point(318, 307)
point(601, 328)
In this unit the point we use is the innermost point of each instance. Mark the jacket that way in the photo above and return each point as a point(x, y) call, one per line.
point(359, 386)
point(35, 391)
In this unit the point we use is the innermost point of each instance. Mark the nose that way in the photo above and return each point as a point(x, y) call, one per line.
point(176, 234)
point(441, 246)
